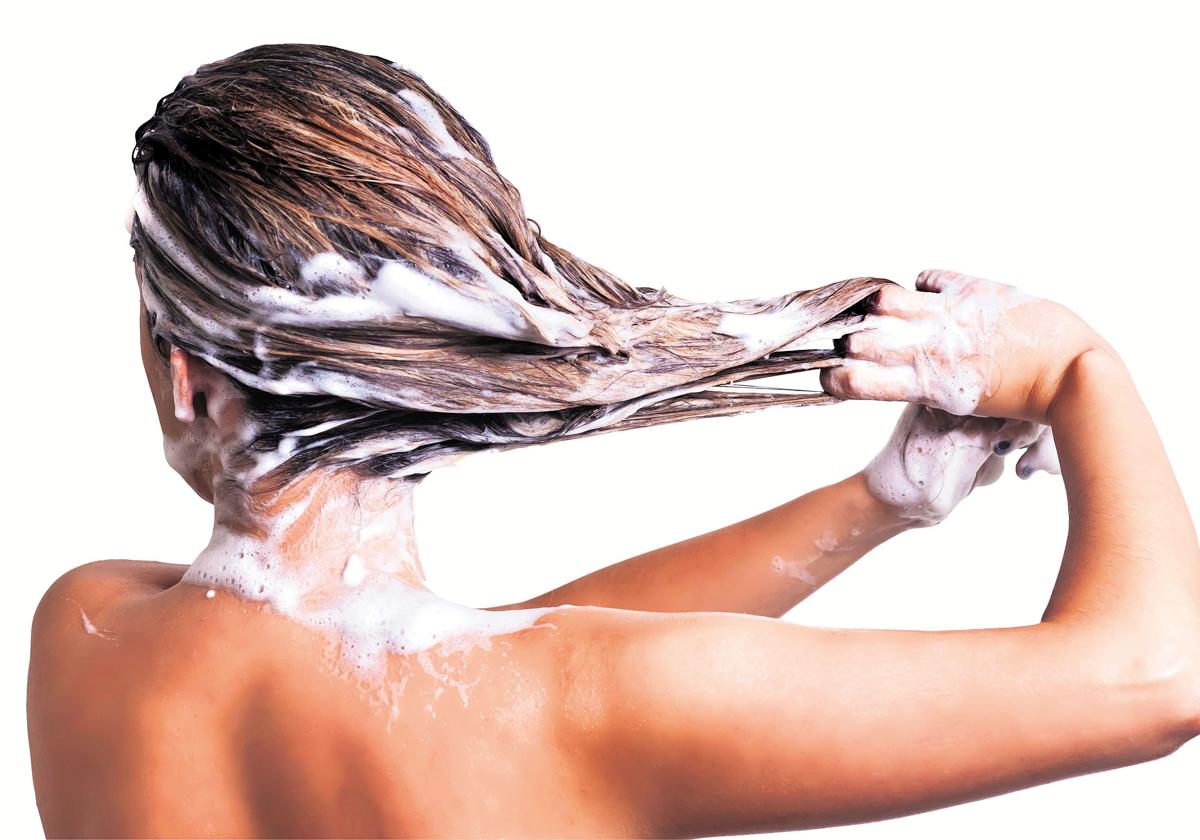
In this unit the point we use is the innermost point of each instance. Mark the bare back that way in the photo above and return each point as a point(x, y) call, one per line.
point(156, 709)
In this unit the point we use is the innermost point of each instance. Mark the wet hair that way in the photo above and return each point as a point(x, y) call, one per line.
point(325, 229)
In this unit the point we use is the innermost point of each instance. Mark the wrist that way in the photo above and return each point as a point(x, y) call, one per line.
point(1075, 340)
point(878, 513)
point(1094, 374)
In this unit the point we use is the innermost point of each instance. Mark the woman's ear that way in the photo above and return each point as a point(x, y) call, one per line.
point(187, 386)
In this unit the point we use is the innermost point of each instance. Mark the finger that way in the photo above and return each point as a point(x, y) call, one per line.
point(890, 340)
point(865, 345)
point(974, 435)
point(1014, 435)
point(1042, 455)
point(990, 472)
point(856, 379)
point(939, 280)
point(897, 300)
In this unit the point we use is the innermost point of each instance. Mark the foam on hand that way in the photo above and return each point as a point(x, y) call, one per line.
point(942, 355)
point(934, 459)
point(931, 462)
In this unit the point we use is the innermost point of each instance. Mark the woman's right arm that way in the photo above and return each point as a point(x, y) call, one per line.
point(724, 724)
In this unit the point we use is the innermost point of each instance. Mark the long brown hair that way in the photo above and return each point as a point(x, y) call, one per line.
point(328, 231)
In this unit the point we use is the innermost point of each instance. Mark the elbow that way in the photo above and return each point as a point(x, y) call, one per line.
point(1183, 704)
point(1164, 682)
point(1143, 687)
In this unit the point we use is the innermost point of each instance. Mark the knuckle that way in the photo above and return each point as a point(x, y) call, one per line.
point(853, 384)
point(899, 301)
point(840, 381)
point(831, 381)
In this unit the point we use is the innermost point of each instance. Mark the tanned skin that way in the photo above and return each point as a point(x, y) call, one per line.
point(673, 705)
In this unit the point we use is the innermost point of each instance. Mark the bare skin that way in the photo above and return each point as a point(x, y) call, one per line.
point(663, 709)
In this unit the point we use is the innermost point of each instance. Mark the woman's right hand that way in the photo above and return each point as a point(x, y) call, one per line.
point(964, 345)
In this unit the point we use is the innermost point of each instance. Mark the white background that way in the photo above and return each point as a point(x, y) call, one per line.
point(720, 152)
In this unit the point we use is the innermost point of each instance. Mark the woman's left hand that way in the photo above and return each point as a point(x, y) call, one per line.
point(934, 460)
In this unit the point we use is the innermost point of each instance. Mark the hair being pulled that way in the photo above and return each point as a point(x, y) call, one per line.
point(324, 228)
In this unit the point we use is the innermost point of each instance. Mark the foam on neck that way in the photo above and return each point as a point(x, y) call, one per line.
point(346, 564)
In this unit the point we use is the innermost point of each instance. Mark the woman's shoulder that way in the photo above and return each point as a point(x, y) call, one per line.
point(77, 647)
point(97, 586)
point(81, 621)
point(118, 573)
point(122, 662)
point(117, 644)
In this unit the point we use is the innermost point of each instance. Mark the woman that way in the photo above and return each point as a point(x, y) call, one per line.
point(340, 293)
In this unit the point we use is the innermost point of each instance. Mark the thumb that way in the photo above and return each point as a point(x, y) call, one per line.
point(1040, 456)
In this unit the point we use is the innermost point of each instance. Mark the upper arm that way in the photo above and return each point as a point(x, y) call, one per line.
point(734, 723)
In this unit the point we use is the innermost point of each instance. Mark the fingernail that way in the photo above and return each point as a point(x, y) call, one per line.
point(1002, 447)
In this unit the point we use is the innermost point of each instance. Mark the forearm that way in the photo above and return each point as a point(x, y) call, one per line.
point(1131, 565)
point(763, 565)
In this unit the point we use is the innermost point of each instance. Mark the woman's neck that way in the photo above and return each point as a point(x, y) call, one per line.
point(325, 533)
point(338, 553)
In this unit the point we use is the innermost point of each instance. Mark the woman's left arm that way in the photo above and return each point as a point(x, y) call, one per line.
point(763, 565)
point(767, 564)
